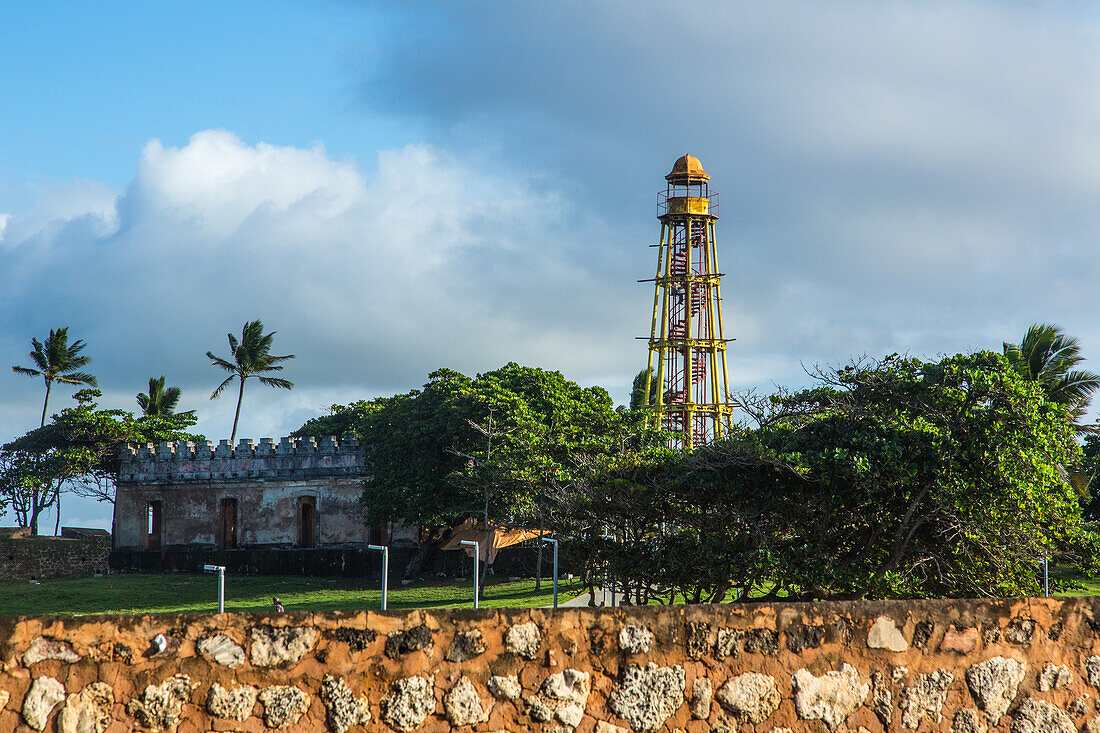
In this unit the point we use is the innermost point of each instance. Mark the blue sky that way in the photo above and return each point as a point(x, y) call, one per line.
point(92, 83)
point(399, 187)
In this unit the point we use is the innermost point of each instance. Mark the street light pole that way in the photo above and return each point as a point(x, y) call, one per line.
point(555, 543)
point(385, 550)
point(220, 570)
point(477, 553)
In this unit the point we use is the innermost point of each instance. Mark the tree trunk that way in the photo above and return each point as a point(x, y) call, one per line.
point(485, 561)
point(538, 560)
point(488, 547)
point(57, 524)
point(424, 552)
point(45, 402)
point(237, 415)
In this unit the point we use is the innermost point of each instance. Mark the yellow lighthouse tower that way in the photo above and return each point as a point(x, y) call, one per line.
point(687, 341)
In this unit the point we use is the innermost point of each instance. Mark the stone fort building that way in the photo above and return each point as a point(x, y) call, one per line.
point(178, 505)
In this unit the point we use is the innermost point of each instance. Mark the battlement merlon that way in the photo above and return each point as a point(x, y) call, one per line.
point(187, 461)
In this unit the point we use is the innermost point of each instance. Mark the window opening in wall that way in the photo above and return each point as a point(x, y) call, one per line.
point(155, 520)
point(307, 521)
point(228, 534)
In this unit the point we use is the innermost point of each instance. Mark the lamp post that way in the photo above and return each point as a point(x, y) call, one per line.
point(554, 542)
point(220, 570)
point(385, 550)
point(477, 553)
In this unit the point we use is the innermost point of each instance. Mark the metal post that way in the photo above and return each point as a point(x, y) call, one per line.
point(555, 543)
point(220, 569)
point(608, 578)
point(477, 554)
point(1046, 578)
point(385, 550)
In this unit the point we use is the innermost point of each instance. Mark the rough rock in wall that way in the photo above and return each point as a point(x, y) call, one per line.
point(233, 703)
point(830, 698)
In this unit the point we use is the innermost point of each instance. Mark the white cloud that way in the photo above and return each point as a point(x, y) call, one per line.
point(434, 261)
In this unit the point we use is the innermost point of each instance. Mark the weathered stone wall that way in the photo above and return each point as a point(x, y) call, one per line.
point(267, 512)
point(75, 552)
point(268, 480)
point(1019, 665)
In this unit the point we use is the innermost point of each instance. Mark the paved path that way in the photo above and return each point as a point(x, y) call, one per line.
point(581, 601)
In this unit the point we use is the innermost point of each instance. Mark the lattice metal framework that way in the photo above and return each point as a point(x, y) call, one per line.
point(687, 341)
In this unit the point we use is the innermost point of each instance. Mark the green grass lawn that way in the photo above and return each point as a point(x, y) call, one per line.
point(171, 593)
point(1065, 580)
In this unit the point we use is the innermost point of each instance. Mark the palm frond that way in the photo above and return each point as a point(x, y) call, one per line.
point(223, 385)
point(77, 362)
point(218, 361)
point(1075, 386)
point(171, 398)
point(25, 370)
point(1049, 357)
point(275, 382)
point(77, 378)
point(161, 400)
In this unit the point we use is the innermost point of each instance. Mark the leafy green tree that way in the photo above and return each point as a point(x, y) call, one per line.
point(890, 479)
point(1051, 359)
point(57, 360)
point(159, 400)
point(1090, 469)
point(78, 451)
point(251, 357)
point(431, 465)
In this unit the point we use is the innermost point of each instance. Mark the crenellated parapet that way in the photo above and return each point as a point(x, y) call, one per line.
point(290, 458)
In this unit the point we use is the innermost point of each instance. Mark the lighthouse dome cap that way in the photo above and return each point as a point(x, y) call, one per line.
point(687, 168)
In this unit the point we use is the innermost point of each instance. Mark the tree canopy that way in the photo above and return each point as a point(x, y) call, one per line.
point(78, 451)
point(159, 400)
point(251, 357)
point(890, 479)
point(428, 455)
point(1052, 360)
point(57, 360)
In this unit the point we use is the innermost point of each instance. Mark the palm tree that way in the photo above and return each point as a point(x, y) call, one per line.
point(637, 393)
point(251, 358)
point(57, 361)
point(160, 401)
point(1048, 357)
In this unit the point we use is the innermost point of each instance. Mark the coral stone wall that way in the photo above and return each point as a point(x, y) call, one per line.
point(24, 558)
point(1019, 665)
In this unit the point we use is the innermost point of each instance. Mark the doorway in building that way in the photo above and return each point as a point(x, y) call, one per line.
point(307, 521)
point(228, 533)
